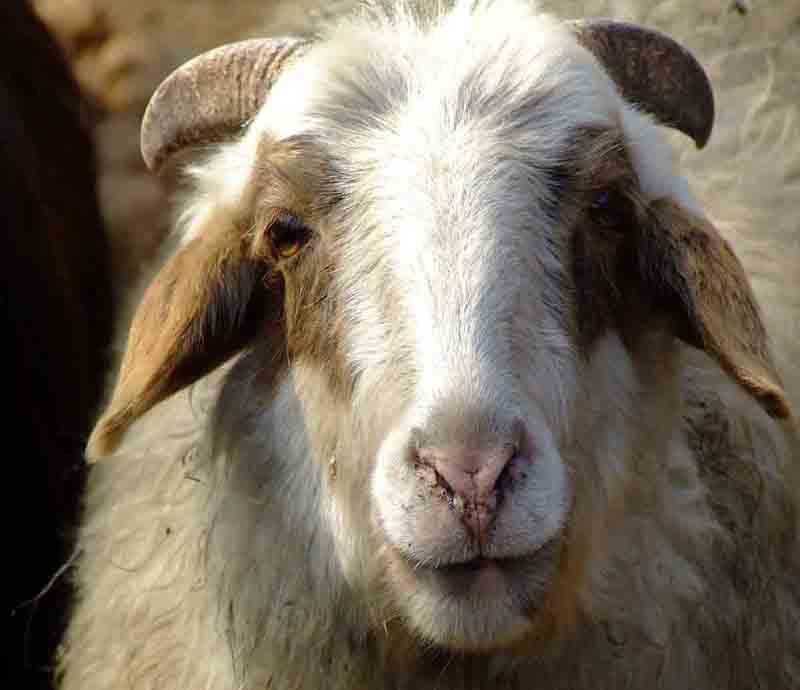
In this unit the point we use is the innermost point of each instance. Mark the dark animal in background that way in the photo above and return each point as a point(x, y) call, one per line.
point(56, 303)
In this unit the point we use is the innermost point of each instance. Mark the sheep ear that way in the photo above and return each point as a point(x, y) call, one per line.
point(691, 273)
point(204, 306)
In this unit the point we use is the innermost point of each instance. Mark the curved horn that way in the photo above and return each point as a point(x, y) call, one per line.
point(212, 95)
point(654, 72)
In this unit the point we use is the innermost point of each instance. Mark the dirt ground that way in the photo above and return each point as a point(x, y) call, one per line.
point(121, 49)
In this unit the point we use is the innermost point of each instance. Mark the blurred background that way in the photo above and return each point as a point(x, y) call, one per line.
point(84, 219)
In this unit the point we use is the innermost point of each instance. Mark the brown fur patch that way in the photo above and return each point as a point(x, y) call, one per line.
point(225, 288)
point(691, 273)
point(296, 181)
point(599, 164)
point(644, 267)
point(206, 303)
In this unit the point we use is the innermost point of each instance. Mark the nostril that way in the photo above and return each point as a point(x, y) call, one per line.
point(515, 470)
point(522, 439)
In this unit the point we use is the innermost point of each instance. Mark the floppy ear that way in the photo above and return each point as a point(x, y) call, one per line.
point(204, 306)
point(691, 273)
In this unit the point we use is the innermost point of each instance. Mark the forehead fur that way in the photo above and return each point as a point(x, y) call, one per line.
point(389, 82)
point(496, 66)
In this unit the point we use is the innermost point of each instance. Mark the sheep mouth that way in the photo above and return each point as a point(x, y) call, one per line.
point(472, 566)
point(491, 576)
point(481, 575)
point(477, 605)
point(469, 568)
point(480, 561)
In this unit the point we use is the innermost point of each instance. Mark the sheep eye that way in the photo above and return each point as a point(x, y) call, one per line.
point(609, 208)
point(288, 235)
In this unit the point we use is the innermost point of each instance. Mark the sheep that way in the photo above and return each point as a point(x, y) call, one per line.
point(57, 312)
point(449, 381)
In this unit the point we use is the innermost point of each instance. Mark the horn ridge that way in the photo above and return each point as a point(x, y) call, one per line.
point(654, 72)
point(212, 95)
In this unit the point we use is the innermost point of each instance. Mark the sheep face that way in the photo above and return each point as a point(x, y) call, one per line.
point(472, 257)
point(435, 297)
point(435, 291)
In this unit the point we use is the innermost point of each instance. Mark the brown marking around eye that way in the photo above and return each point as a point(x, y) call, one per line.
point(291, 182)
point(599, 164)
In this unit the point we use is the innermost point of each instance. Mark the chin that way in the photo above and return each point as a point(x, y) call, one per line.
point(481, 605)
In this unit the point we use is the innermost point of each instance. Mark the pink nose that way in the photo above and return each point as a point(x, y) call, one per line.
point(473, 480)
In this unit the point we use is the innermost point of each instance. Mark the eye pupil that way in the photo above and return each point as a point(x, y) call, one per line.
point(288, 234)
point(609, 208)
point(287, 250)
point(602, 200)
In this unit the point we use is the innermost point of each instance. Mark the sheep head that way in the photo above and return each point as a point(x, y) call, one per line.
point(477, 256)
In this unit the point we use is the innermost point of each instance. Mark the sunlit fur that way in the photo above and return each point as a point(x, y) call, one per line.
point(252, 537)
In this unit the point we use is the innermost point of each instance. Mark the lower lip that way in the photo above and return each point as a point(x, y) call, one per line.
point(481, 576)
